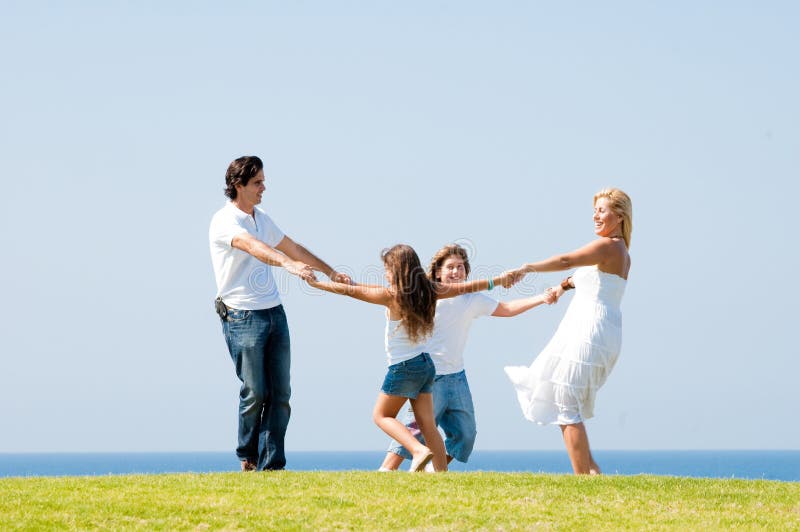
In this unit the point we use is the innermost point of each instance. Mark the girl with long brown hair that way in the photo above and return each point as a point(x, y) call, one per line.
point(452, 399)
point(410, 301)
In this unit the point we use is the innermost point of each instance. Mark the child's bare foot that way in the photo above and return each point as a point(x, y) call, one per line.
point(421, 459)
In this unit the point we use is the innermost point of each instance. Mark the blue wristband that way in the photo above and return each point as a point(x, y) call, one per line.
point(491, 283)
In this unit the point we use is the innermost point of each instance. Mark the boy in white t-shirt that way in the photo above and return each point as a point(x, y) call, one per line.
point(452, 399)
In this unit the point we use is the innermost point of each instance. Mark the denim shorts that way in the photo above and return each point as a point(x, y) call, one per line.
point(410, 377)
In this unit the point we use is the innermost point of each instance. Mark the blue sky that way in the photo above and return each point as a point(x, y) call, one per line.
point(379, 122)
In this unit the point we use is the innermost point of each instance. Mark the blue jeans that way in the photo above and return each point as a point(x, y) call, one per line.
point(454, 414)
point(258, 341)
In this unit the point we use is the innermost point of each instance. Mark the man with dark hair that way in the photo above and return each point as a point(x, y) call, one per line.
point(245, 243)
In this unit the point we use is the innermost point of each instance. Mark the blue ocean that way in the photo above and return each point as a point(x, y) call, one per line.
point(770, 465)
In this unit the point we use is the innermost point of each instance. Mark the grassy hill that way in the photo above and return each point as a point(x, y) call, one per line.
point(394, 501)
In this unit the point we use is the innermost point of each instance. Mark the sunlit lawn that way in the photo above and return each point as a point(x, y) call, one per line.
point(394, 501)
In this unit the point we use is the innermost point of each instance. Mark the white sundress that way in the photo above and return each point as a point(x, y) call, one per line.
point(560, 385)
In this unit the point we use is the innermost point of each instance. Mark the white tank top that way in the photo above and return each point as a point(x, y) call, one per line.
point(399, 347)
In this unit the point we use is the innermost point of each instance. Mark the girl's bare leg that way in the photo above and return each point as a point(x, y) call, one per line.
point(423, 411)
point(385, 416)
point(392, 461)
point(577, 443)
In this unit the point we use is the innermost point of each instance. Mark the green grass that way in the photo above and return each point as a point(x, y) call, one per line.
point(394, 501)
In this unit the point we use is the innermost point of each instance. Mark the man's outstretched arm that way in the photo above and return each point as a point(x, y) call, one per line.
point(258, 249)
point(299, 253)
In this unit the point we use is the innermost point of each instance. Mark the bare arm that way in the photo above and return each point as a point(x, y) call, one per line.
point(377, 295)
point(508, 309)
point(447, 290)
point(595, 252)
point(258, 249)
point(299, 253)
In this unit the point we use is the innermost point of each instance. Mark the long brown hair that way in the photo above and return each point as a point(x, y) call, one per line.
point(445, 253)
point(414, 293)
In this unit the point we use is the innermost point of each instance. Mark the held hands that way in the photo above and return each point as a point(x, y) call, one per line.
point(338, 277)
point(552, 294)
point(306, 273)
point(512, 277)
point(302, 270)
point(335, 277)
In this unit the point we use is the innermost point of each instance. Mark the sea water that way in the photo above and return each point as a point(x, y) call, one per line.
point(771, 465)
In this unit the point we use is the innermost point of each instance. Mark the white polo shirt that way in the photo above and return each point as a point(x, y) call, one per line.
point(243, 281)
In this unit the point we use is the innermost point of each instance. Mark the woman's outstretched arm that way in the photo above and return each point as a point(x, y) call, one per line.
point(595, 252)
point(377, 295)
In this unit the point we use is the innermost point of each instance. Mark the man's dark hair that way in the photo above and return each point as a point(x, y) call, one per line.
point(240, 172)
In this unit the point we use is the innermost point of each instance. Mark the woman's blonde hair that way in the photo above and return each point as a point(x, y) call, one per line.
point(414, 292)
point(445, 253)
point(621, 205)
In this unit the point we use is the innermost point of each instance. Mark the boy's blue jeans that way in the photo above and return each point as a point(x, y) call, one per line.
point(454, 413)
point(258, 342)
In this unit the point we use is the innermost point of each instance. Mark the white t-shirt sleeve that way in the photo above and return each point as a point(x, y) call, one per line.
point(224, 228)
point(482, 305)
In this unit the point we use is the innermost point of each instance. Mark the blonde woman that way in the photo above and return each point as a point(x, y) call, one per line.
point(560, 385)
